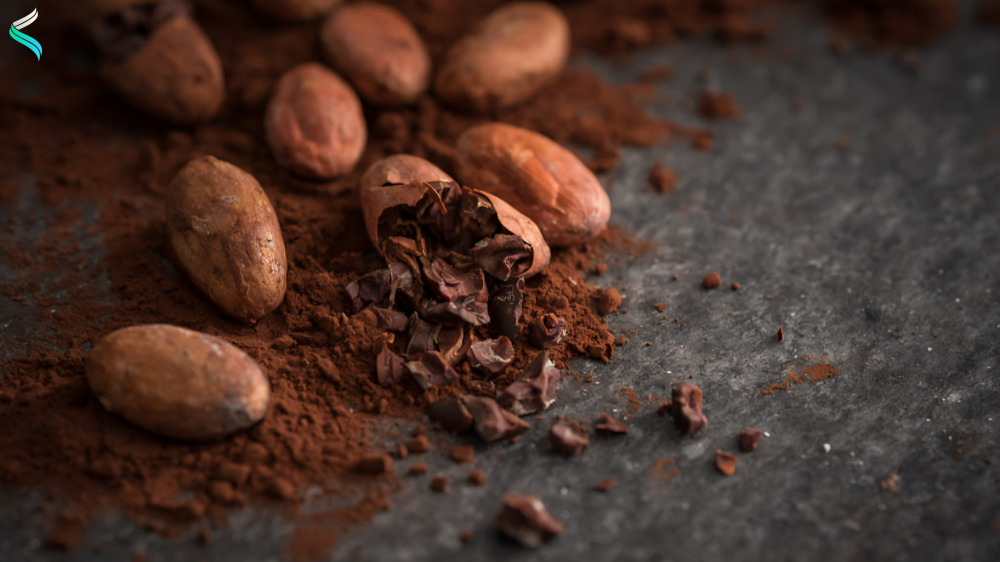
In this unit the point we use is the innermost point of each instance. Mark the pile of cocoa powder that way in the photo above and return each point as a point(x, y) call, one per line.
point(76, 146)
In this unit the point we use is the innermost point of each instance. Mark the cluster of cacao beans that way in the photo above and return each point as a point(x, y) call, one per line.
point(223, 229)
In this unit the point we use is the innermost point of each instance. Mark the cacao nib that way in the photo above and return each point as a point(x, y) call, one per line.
point(525, 520)
point(749, 438)
point(491, 356)
point(451, 414)
point(536, 390)
point(451, 284)
point(547, 331)
point(491, 421)
point(506, 308)
point(431, 369)
point(609, 424)
point(568, 437)
point(503, 256)
point(374, 287)
point(389, 367)
point(686, 408)
point(391, 320)
point(725, 462)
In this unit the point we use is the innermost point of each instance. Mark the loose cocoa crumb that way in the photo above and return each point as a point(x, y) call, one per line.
point(466, 536)
point(704, 140)
point(374, 464)
point(725, 462)
point(401, 451)
point(749, 438)
point(477, 477)
point(525, 520)
point(418, 445)
point(663, 180)
point(608, 424)
point(675, 277)
point(568, 437)
point(890, 483)
point(621, 340)
point(686, 408)
point(609, 300)
point(204, 535)
point(463, 454)
point(719, 106)
point(601, 268)
point(418, 468)
point(736, 286)
point(660, 307)
point(781, 334)
point(605, 485)
point(440, 483)
point(712, 280)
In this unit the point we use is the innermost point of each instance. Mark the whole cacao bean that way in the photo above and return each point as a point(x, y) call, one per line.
point(378, 51)
point(538, 177)
point(226, 237)
point(516, 50)
point(314, 124)
point(174, 75)
point(177, 382)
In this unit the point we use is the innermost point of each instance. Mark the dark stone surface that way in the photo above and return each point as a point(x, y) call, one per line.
point(881, 257)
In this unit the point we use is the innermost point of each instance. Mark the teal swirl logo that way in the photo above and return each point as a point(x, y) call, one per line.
point(27, 41)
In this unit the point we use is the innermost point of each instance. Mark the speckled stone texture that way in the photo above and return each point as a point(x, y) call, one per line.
point(882, 256)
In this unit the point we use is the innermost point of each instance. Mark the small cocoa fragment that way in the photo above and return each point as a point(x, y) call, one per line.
point(749, 438)
point(609, 424)
point(477, 477)
point(547, 331)
point(663, 180)
point(781, 334)
point(568, 437)
point(525, 520)
point(686, 408)
point(711, 281)
point(609, 300)
point(440, 483)
point(725, 462)
point(419, 444)
point(605, 485)
point(505, 308)
point(466, 536)
point(418, 468)
point(463, 454)
point(719, 106)
point(431, 369)
point(451, 414)
point(374, 464)
point(491, 356)
point(536, 389)
point(491, 421)
point(389, 367)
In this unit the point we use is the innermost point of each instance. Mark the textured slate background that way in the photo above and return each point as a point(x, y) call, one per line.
point(882, 256)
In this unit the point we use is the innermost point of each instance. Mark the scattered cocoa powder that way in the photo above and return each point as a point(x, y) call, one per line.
point(711, 281)
point(660, 307)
